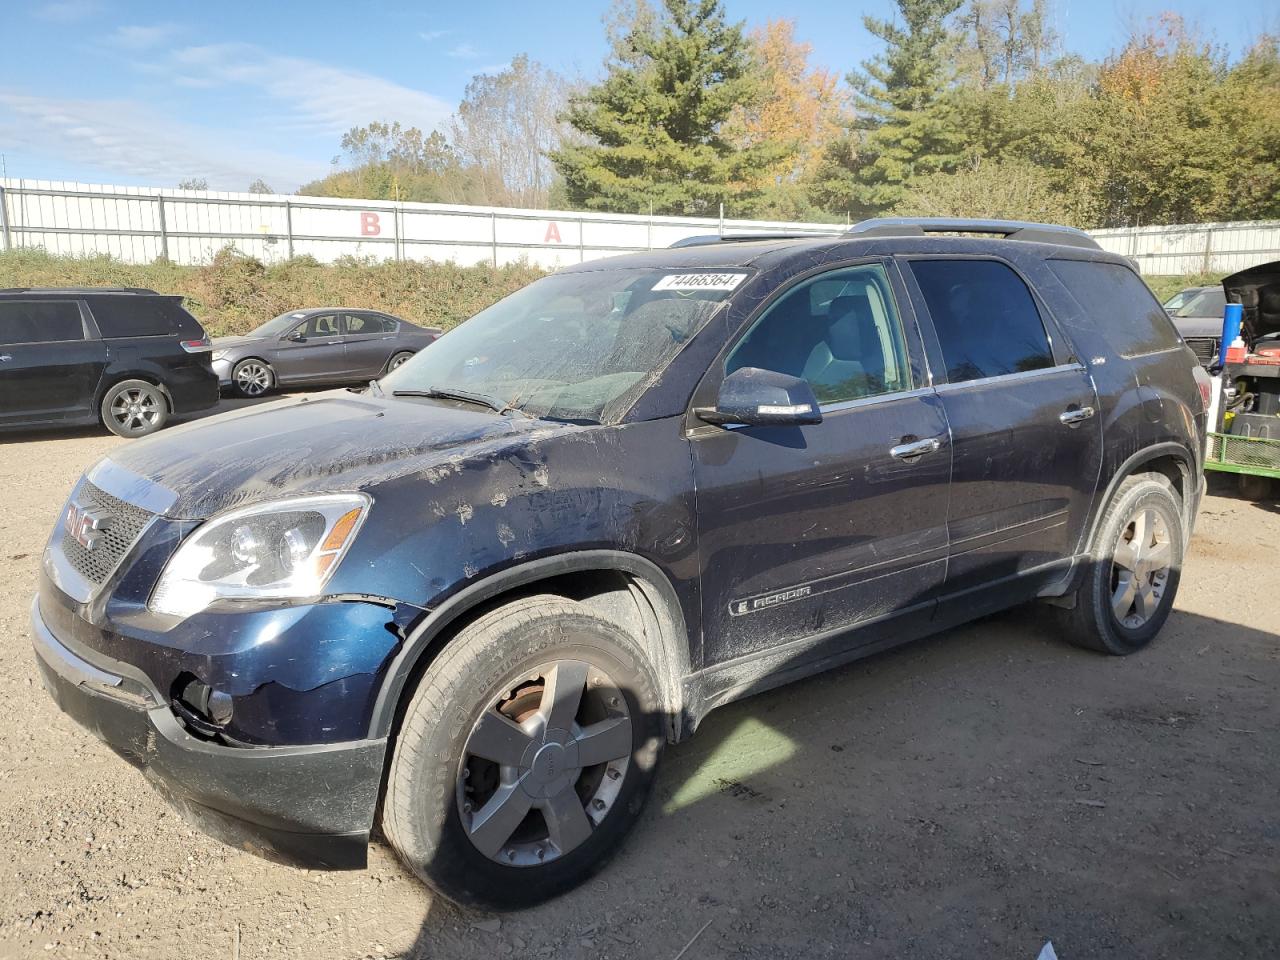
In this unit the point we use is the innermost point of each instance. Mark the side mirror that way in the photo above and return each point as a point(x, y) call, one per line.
point(297, 337)
point(763, 398)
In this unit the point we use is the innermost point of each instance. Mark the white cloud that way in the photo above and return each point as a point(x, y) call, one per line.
point(318, 96)
point(432, 35)
point(126, 137)
point(67, 11)
point(464, 51)
point(137, 37)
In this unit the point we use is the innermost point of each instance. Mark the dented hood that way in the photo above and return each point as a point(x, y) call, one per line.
point(329, 442)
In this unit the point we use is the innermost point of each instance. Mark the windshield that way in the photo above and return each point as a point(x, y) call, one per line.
point(277, 325)
point(571, 346)
point(1203, 303)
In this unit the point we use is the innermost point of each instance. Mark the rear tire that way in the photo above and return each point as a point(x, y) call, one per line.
point(134, 408)
point(492, 799)
point(1134, 566)
point(399, 359)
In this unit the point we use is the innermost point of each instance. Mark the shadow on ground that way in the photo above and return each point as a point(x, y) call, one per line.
point(975, 794)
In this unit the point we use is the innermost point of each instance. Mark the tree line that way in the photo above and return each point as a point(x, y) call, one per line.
point(971, 107)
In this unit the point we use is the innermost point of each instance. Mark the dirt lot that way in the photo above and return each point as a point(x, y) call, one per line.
point(974, 795)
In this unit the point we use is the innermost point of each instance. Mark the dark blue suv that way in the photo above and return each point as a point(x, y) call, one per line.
point(479, 596)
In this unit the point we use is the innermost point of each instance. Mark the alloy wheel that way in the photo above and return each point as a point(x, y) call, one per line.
point(1140, 568)
point(252, 379)
point(137, 409)
point(544, 764)
point(399, 360)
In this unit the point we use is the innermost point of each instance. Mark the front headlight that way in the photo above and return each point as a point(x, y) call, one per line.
point(285, 549)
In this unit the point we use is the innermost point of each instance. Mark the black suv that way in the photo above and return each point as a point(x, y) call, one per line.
point(481, 595)
point(125, 357)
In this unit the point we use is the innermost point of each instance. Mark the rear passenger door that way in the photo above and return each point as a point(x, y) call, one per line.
point(1024, 427)
point(368, 341)
point(49, 368)
point(807, 531)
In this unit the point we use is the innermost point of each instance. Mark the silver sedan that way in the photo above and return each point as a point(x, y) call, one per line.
point(326, 345)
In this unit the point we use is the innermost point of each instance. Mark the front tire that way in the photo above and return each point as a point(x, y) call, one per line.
point(134, 408)
point(1134, 568)
point(526, 754)
point(252, 378)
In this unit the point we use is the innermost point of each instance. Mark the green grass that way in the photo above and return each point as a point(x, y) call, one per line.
point(234, 293)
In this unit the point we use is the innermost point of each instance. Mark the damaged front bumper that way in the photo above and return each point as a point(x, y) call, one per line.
point(304, 804)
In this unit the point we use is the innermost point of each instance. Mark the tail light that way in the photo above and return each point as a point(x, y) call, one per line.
point(195, 346)
point(1204, 383)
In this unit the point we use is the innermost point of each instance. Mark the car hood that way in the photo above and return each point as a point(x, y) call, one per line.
point(330, 442)
point(1198, 326)
point(226, 343)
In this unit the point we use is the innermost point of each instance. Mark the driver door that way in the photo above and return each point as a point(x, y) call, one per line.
point(314, 350)
point(809, 532)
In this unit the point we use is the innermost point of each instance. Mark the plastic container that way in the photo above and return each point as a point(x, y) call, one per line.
point(1232, 319)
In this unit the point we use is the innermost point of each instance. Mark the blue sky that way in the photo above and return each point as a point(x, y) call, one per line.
point(148, 93)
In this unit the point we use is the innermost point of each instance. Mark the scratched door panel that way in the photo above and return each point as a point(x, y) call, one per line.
point(806, 530)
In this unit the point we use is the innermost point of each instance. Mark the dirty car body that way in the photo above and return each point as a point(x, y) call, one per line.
point(739, 556)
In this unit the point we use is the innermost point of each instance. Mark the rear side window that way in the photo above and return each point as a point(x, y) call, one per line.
point(39, 321)
point(985, 318)
point(1126, 313)
point(367, 323)
point(142, 316)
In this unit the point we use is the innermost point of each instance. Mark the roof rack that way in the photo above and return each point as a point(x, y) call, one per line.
point(1007, 229)
point(705, 239)
point(138, 290)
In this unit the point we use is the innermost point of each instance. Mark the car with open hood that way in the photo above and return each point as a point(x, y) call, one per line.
point(476, 599)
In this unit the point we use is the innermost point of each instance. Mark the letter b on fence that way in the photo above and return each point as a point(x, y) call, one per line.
point(369, 225)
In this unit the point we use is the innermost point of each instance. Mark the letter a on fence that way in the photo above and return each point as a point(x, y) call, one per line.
point(553, 233)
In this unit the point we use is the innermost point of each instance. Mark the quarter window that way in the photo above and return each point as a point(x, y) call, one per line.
point(840, 331)
point(985, 318)
point(1128, 316)
point(39, 321)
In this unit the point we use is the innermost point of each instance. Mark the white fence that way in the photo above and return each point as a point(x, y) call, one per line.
point(1195, 248)
point(138, 225)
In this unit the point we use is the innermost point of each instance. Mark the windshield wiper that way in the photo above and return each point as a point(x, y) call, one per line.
point(466, 396)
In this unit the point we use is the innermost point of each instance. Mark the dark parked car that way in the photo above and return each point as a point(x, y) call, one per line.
point(1197, 316)
point(126, 357)
point(329, 345)
point(480, 596)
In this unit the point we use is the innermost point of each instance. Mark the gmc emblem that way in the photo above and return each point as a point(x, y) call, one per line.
point(85, 524)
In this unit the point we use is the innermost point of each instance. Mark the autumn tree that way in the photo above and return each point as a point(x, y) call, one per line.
point(260, 186)
point(506, 128)
point(800, 111)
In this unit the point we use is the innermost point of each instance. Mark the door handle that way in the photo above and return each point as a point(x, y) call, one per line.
point(4, 357)
point(1075, 416)
point(915, 448)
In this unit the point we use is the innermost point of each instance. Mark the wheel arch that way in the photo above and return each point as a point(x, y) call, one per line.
point(622, 586)
point(114, 378)
point(1174, 461)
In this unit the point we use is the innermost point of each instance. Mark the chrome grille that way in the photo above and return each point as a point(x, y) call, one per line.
point(121, 530)
point(1205, 348)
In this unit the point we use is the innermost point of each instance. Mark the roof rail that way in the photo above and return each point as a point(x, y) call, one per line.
point(1008, 229)
point(138, 290)
point(705, 239)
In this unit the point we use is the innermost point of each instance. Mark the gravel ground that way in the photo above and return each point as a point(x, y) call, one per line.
point(972, 795)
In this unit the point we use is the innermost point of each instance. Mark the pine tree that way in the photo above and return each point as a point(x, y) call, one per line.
point(654, 124)
point(905, 111)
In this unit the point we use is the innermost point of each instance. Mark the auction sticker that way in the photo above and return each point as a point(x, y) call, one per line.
point(700, 281)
